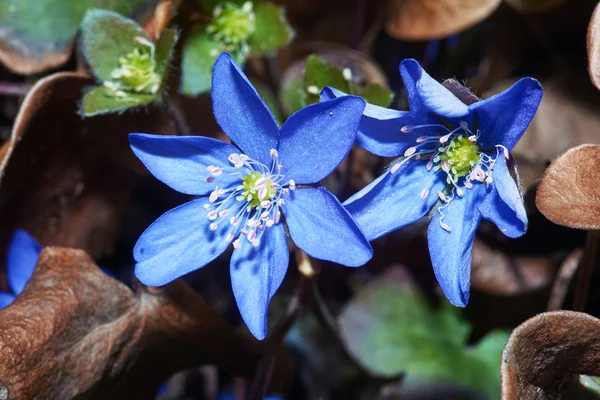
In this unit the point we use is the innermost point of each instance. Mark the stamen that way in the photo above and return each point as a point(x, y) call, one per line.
point(274, 153)
point(407, 128)
point(445, 226)
point(424, 193)
point(441, 196)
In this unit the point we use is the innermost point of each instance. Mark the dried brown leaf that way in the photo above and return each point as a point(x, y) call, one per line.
point(569, 193)
point(432, 19)
point(75, 332)
point(548, 350)
point(67, 179)
point(593, 47)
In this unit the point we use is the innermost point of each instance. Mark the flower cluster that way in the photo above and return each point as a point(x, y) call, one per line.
point(453, 164)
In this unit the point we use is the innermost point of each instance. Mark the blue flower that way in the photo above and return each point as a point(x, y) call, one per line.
point(23, 252)
point(245, 190)
point(452, 166)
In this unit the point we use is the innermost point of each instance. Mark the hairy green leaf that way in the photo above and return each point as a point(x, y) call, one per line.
point(102, 100)
point(272, 29)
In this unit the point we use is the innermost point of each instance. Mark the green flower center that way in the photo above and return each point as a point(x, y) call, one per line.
point(137, 71)
point(256, 188)
point(232, 24)
point(461, 155)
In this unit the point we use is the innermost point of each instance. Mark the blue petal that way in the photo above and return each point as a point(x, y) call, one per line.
point(241, 112)
point(314, 140)
point(6, 299)
point(504, 117)
point(320, 226)
point(379, 130)
point(504, 204)
point(23, 253)
point(177, 243)
point(256, 274)
point(181, 161)
point(451, 252)
point(425, 94)
point(394, 200)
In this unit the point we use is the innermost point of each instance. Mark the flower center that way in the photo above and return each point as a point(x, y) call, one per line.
point(457, 154)
point(258, 188)
point(461, 155)
point(252, 205)
point(232, 24)
point(137, 71)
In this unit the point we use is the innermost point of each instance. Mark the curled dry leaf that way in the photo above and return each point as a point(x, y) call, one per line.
point(569, 193)
point(75, 332)
point(432, 19)
point(593, 47)
point(548, 350)
point(67, 179)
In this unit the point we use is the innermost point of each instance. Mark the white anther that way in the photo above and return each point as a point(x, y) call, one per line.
point(234, 221)
point(214, 171)
point(445, 138)
point(213, 226)
point(429, 165)
point(464, 125)
point(264, 215)
point(247, 7)
point(214, 195)
point(285, 191)
point(260, 181)
point(237, 243)
point(251, 235)
point(255, 242)
point(441, 196)
point(206, 207)
point(395, 167)
point(410, 151)
point(472, 138)
point(274, 153)
point(445, 166)
point(477, 174)
point(265, 203)
point(262, 192)
point(292, 184)
point(459, 192)
point(312, 89)
point(407, 128)
point(489, 180)
point(424, 193)
point(280, 202)
point(347, 73)
point(277, 216)
point(468, 185)
point(229, 237)
point(269, 223)
point(224, 213)
point(422, 139)
point(445, 226)
point(278, 167)
point(213, 215)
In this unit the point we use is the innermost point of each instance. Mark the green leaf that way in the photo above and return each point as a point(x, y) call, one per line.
point(319, 73)
point(377, 95)
point(199, 54)
point(272, 30)
point(102, 100)
point(292, 95)
point(107, 36)
point(44, 28)
point(164, 51)
point(390, 329)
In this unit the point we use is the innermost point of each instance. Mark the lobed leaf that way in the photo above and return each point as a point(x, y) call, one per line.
point(38, 34)
point(198, 58)
point(272, 30)
point(107, 36)
point(376, 94)
point(102, 100)
point(390, 329)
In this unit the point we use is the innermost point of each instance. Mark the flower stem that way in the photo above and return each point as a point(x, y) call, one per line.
point(262, 376)
point(590, 258)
